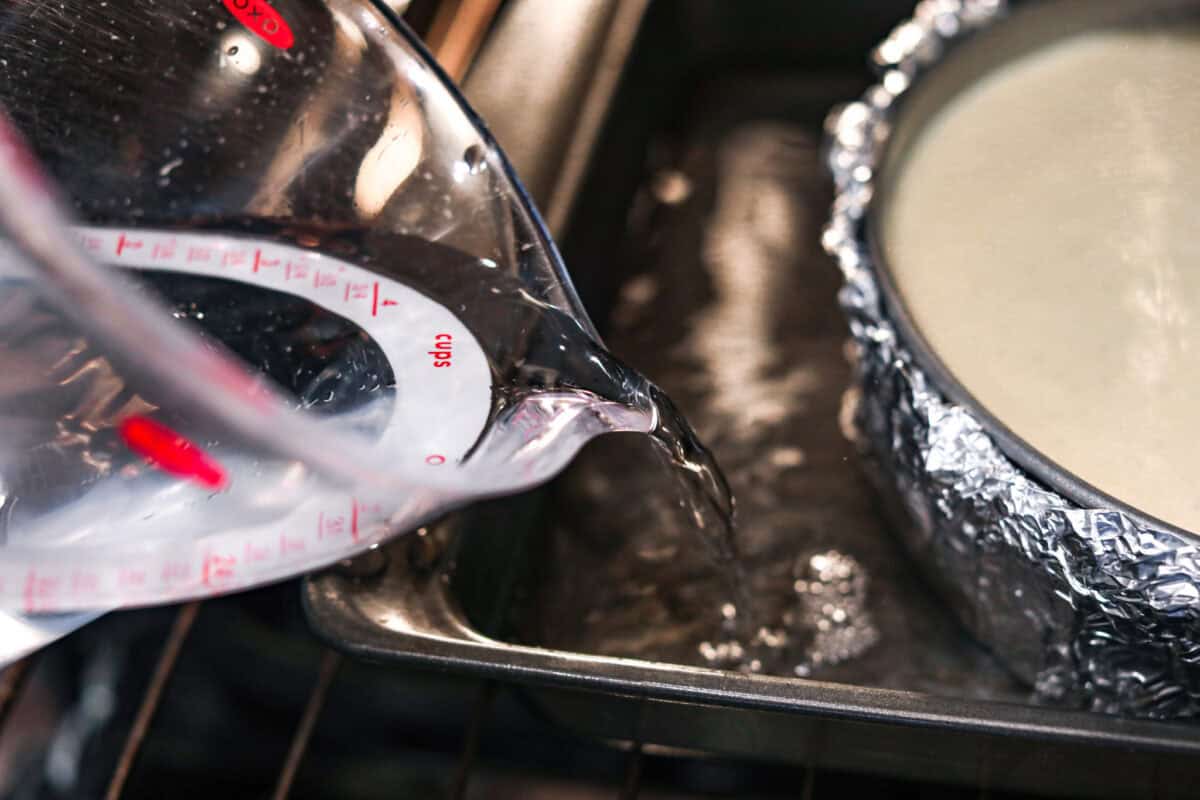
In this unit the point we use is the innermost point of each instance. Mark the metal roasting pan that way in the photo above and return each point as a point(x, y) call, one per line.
point(449, 599)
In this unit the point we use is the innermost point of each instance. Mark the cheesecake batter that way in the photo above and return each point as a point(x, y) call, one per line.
point(1044, 232)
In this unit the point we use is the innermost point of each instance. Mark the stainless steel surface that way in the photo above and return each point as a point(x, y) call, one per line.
point(591, 112)
point(543, 81)
point(407, 620)
point(456, 32)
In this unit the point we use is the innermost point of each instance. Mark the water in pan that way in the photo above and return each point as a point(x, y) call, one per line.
point(729, 361)
point(752, 351)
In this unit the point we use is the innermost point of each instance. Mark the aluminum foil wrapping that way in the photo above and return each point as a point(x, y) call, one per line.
point(1092, 607)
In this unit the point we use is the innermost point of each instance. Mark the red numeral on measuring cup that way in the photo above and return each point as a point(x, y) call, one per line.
point(216, 570)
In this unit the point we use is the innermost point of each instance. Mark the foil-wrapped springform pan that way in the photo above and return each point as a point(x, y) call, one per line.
point(1094, 603)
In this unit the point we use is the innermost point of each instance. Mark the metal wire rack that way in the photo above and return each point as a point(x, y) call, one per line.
point(484, 759)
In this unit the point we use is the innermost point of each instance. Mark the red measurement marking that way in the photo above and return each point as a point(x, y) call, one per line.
point(375, 300)
point(84, 583)
point(175, 571)
point(263, 21)
point(123, 243)
point(527, 423)
point(256, 553)
point(42, 588)
point(170, 452)
point(290, 544)
point(217, 569)
point(435, 460)
point(330, 526)
point(354, 520)
point(163, 250)
point(259, 261)
point(129, 578)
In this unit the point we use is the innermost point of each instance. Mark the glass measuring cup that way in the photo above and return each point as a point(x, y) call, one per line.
point(380, 327)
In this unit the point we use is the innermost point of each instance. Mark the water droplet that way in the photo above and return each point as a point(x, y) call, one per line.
point(475, 157)
point(169, 166)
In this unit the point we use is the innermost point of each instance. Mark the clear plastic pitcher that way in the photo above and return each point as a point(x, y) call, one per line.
point(326, 310)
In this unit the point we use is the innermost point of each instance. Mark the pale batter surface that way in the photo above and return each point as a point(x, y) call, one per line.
point(1045, 235)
